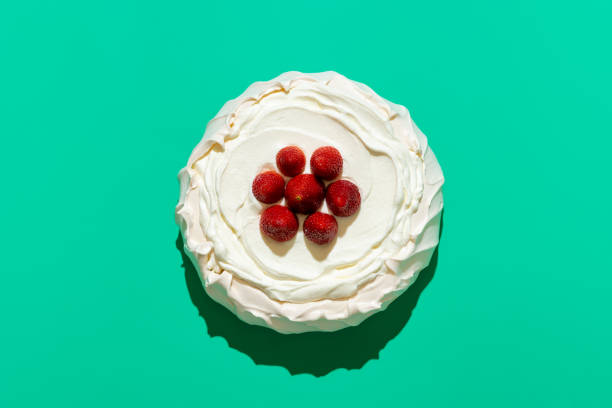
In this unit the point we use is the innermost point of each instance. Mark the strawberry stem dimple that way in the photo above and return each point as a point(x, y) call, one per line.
point(304, 194)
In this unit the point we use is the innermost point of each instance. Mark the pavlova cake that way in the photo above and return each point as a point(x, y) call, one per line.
point(310, 203)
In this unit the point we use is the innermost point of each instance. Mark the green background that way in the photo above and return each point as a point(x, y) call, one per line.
point(101, 103)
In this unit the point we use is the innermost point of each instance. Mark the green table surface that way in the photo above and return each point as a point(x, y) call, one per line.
point(101, 103)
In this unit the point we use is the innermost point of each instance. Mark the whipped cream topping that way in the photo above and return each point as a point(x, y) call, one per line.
point(384, 154)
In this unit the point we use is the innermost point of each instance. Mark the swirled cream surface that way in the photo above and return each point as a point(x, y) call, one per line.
point(382, 156)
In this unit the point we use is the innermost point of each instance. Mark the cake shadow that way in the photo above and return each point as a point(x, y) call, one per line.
point(316, 353)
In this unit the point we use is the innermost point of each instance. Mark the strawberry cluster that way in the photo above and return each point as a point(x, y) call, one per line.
point(304, 194)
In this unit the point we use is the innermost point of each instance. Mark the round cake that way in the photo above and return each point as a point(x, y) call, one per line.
point(257, 246)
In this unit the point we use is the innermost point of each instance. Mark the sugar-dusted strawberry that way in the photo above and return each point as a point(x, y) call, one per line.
point(343, 198)
point(326, 163)
point(320, 228)
point(304, 194)
point(279, 223)
point(291, 161)
point(268, 187)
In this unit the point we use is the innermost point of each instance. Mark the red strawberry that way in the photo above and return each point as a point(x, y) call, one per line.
point(268, 187)
point(278, 223)
point(326, 163)
point(320, 228)
point(290, 161)
point(343, 198)
point(304, 194)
